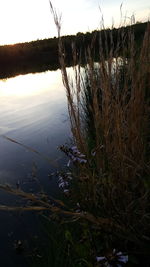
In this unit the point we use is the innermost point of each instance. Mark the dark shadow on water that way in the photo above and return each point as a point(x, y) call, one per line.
point(20, 68)
point(42, 55)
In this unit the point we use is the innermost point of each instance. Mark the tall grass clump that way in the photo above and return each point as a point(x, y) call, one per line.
point(108, 103)
point(105, 214)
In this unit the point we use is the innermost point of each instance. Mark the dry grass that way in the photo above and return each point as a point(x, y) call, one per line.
point(108, 104)
point(117, 89)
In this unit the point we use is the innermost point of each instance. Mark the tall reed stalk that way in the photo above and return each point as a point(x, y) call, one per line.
point(108, 103)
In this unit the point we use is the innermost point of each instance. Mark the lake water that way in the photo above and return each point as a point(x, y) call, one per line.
point(33, 111)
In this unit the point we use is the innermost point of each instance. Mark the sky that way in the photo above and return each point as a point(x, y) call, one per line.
point(27, 20)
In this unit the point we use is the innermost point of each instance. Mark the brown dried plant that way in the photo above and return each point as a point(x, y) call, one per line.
point(108, 102)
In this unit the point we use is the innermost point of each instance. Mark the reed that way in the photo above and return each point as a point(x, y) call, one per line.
point(107, 194)
point(108, 103)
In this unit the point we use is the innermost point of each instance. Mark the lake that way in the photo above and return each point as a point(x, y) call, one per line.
point(33, 112)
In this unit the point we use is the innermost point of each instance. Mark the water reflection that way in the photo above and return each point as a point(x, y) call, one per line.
point(33, 111)
point(30, 84)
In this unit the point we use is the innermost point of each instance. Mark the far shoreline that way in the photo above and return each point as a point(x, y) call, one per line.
point(42, 55)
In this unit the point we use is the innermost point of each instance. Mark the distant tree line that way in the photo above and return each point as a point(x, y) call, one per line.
point(41, 55)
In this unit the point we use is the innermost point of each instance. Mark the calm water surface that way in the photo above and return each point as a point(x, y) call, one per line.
point(33, 111)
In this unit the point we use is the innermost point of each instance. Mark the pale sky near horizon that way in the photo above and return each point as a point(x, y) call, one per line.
point(27, 20)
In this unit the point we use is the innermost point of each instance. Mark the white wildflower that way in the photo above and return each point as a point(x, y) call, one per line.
point(98, 259)
point(93, 153)
point(74, 148)
point(68, 164)
point(82, 160)
point(119, 258)
point(66, 190)
point(123, 258)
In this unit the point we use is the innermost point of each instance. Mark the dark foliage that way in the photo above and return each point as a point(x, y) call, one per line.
point(42, 55)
